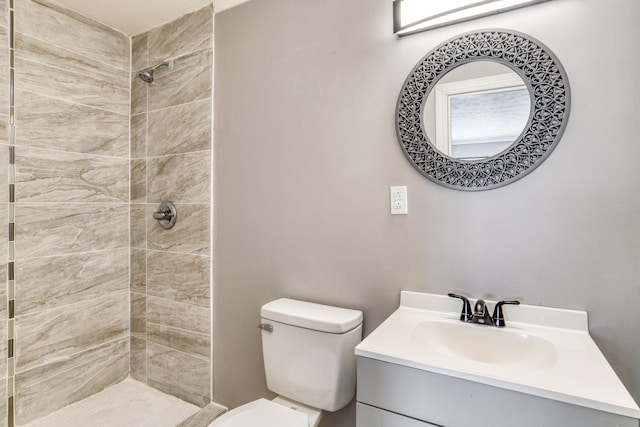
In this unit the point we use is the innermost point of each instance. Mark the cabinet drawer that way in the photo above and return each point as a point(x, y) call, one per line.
point(368, 416)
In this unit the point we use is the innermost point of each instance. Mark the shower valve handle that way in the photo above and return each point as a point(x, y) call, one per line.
point(163, 215)
point(166, 215)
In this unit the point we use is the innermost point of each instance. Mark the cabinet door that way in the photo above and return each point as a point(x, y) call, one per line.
point(369, 416)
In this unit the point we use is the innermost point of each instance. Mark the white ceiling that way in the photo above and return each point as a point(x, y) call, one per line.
point(137, 16)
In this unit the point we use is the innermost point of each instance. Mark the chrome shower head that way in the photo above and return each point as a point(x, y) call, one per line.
point(147, 74)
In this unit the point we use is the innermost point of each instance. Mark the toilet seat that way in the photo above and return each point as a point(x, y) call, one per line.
point(263, 413)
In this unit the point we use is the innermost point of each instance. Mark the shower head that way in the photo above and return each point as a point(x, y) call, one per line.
point(147, 74)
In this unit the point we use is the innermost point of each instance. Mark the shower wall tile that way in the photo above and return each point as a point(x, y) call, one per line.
point(189, 235)
point(180, 374)
point(4, 335)
point(138, 181)
point(3, 300)
point(4, 8)
point(71, 86)
point(171, 131)
point(179, 277)
point(4, 187)
point(176, 314)
point(72, 213)
point(138, 359)
point(4, 82)
point(44, 52)
point(3, 407)
point(63, 331)
point(44, 389)
point(44, 283)
point(180, 339)
point(69, 228)
point(139, 95)
point(46, 122)
point(187, 34)
point(62, 27)
point(189, 81)
point(58, 176)
point(181, 178)
point(180, 129)
point(139, 270)
point(138, 315)
point(138, 226)
point(139, 52)
point(4, 56)
point(139, 136)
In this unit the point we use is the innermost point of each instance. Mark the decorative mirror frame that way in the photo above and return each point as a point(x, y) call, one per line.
point(548, 87)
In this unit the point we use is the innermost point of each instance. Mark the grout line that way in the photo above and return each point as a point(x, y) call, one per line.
point(172, 300)
point(204, 334)
point(180, 351)
point(95, 252)
point(157, 110)
point(174, 252)
point(146, 234)
point(130, 251)
point(178, 154)
point(77, 153)
point(67, 203)
point(67, 254)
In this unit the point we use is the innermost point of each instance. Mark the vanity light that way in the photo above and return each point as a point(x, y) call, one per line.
point(412, 16)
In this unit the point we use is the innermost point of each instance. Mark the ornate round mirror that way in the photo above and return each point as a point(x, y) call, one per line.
point(483, 109)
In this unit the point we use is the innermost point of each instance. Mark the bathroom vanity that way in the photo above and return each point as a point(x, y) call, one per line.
point(424, 367)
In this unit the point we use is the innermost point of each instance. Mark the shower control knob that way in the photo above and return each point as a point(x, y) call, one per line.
point(166, 215)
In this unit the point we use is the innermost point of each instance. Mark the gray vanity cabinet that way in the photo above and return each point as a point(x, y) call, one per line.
point(391, 395)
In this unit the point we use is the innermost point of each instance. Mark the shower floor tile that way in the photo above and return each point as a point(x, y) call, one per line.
point(129, 403)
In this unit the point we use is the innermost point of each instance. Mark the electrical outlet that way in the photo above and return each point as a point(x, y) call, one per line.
point(399, 200)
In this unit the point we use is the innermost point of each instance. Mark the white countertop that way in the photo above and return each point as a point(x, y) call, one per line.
point(579, 375)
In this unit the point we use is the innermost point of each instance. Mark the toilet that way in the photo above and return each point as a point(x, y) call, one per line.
point(309, 361)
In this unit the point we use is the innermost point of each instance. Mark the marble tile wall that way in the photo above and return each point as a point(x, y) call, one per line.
point(72, 326)
point(171, 160)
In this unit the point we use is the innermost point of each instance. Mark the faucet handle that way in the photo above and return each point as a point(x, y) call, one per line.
point(498, 315)
point(466, 314)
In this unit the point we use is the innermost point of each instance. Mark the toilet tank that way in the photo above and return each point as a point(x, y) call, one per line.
point(309, 352)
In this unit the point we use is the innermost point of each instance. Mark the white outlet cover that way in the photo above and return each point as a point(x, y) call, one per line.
point(398, 200)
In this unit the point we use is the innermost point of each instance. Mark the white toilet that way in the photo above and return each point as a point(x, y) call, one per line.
point(309, 360)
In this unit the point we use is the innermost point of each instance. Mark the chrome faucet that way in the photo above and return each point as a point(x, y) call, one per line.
point(480, 312)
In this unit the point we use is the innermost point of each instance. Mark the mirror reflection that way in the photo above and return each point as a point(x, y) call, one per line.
point(477, 110)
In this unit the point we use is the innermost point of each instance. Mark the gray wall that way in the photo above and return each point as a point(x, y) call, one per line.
point(305, 152)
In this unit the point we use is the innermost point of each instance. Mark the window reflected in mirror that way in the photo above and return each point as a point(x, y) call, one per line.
point(477, 111)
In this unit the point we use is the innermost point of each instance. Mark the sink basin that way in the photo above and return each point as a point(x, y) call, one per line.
point(485, 344)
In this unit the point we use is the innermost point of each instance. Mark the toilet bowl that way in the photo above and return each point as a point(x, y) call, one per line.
point(278, 412)
point(309, 361)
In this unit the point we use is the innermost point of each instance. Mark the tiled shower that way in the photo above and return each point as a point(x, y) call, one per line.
point(93, 289)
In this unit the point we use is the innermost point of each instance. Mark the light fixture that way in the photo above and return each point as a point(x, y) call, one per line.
point(412, 16)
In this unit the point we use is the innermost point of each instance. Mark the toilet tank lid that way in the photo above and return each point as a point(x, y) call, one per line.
point(309, 315)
